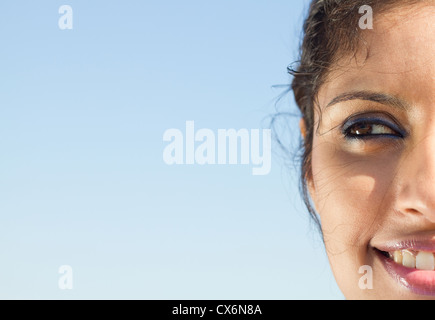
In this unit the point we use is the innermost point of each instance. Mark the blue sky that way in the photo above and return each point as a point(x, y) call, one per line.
point(83, 113)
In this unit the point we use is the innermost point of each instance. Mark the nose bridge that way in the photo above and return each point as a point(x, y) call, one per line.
point(417, 192)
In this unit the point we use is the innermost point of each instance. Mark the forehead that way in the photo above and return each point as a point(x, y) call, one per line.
point(396, 57)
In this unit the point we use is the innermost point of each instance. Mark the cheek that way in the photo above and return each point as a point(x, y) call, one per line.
point(350, 193)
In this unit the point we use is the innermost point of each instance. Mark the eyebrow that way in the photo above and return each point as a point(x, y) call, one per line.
point(382, 98)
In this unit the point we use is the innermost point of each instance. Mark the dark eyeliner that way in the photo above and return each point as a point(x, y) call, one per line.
point(347, 126)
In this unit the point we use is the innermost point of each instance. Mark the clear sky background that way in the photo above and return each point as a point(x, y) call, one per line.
point(82, 179)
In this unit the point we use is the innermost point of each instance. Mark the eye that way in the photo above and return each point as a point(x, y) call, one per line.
point(370, 128)
point(362, 129)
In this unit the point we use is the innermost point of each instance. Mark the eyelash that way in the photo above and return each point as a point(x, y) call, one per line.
point(351, 124)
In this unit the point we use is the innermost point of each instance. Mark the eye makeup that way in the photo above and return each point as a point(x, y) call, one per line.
point(372, 126)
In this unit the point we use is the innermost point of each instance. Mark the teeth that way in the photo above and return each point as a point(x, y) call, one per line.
point(425, 261)
point(398, 257)
point(420, 260)
point(408, 260)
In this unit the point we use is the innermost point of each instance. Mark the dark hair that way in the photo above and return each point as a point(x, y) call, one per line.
point(331, 30)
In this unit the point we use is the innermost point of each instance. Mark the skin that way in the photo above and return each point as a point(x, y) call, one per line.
point(371, 191)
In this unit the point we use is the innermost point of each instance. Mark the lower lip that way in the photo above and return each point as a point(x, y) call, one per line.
point(420, 282)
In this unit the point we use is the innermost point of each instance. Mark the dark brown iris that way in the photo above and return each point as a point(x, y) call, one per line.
point(361, 129)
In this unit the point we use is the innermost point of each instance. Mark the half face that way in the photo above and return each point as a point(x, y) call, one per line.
point(373, 160)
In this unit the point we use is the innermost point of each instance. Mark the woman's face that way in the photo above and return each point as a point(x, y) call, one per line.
point(373, 160)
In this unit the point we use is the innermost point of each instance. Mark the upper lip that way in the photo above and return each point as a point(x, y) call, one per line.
point(418, 242)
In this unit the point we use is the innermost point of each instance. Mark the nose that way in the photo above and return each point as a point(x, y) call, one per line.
point(417, 179)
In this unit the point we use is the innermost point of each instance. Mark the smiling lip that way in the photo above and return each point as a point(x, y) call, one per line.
point(421, 282)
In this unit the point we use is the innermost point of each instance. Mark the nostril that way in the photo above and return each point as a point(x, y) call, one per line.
point(413, 211)
point(408, 212)
point(424, 213)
